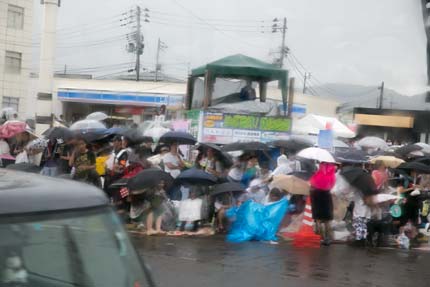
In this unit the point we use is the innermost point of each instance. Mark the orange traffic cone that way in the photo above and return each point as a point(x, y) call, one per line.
point(306, 236)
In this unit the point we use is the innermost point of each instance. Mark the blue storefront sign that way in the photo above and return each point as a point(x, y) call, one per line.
point(143, 99)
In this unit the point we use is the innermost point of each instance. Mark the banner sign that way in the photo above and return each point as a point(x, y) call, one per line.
point(325, 139)
point(223, 128)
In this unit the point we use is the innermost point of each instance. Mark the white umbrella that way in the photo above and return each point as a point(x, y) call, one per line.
point(425, 147)
point(317, 154)
point(382, 197)
point(87, 125)
point(372, 142)
point(97, 116)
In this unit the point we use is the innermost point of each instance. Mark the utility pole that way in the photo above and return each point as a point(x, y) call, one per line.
point(283, 48)
point(381, 96)
point(283, 30)
point(307, 76)
point(160, 47)
point(138, 42)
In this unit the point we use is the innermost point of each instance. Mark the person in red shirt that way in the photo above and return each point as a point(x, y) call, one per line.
point(379, 175)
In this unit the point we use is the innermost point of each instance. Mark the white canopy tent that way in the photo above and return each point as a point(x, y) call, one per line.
point(312, 124)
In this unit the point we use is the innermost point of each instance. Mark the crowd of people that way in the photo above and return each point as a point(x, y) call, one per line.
point(393, 205)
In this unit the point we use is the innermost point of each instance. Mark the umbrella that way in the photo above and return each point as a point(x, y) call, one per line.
point(12, 128)
point(115, 131)
point(122, 182)
point(389, 161)
point(406, 149)
point(25, 167)
point(383, 197)
point(210, 145)
point(424, 160)
point(149, 178)
point(230, 187)
point(37, 144)
point(58, 133)
point(372, 142)
point(247, 146)
point(156, 132)
point(416, 153)
point(425, 147)
point(181, 138)
point(417, 166)
point(88, 125)
point(360, 179)
point(136, 137)
point(351, 156)
point(317, 154)
point(223, 157)
point(196, 176)
point(97, 116)
point(94, 136)
point(293, 144)
point(291, 184)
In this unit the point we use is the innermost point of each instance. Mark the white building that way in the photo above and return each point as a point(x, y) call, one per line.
point(76, 97)
point(16, 18)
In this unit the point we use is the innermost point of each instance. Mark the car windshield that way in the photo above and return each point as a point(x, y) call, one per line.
point(81, 248)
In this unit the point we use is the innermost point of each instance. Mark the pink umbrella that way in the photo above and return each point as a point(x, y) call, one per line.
point(11, 128)
point(7, 156)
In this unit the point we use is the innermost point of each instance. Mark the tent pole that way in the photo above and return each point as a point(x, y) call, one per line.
point(208, 90)
point(284, 93)
point(190, 92)
point(263, 91)
point(291, 98)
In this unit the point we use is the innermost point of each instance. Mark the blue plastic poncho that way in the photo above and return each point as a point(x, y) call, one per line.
point(254, 221)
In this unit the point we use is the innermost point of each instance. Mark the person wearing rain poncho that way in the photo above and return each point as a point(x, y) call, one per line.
point(255, 221)
point(283, 166)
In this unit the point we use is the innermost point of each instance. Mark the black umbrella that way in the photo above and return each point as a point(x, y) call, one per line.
point(93, 136)
point(351, 156)
point(245, 146)
point(25, 167)
point(181, 138)
point(228, 187)
point(58, 133)
point(293, 144)
point(149, 178)
point(135, 137)
point(425, 160)
point(197, 177)
point(210, 145)
point(223, 157)
point(417, 166)
point(405, 150)
point(360, 179)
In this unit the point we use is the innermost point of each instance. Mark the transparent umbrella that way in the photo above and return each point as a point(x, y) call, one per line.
point(87, 125)
point(97, 116)
point(156, 132)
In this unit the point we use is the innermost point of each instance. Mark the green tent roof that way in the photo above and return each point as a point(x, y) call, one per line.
point(241, 66)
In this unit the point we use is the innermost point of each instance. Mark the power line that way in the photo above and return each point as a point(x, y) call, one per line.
point(211, 25)
point(96, 68)
point(200, 26)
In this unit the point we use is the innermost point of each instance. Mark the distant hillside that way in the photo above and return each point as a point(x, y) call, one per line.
point(367, 97)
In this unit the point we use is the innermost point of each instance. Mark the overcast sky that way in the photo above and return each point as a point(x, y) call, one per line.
point(339, 41)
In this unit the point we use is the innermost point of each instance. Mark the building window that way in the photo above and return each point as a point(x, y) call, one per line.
point(13, 62)
point(15, 17)
point(10, 102)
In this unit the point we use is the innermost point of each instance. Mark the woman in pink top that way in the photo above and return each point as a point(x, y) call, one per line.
point(379, 175)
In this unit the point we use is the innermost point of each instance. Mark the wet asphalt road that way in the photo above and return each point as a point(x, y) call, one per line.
point(213, 262)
